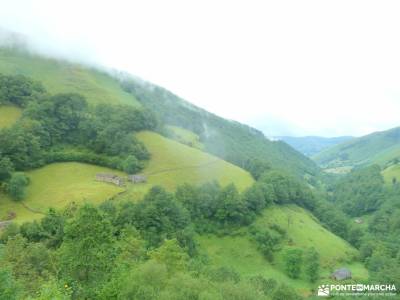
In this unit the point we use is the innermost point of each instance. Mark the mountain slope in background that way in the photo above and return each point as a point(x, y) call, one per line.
point(312, 145)
point(63, 77)
point(226, 139)
point(375, 148)
point(230, 140)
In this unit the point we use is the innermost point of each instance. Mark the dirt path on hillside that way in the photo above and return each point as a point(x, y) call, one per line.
point(182, 168)
point(36, 211)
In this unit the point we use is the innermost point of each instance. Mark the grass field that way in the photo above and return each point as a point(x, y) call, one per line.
point(304, 230)
point(8, 115)
point(60, 77)
point(240, 253)
point(57, 185)
point(185, 136)
point(173, 163)
point(390, 173)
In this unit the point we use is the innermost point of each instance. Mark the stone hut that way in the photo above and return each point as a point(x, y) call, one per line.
point(110, 178)
point(341, 274)
point(137, 178)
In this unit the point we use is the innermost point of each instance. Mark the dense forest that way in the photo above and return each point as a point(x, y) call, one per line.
point(363, 193)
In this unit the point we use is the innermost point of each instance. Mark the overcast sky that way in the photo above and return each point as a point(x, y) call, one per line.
point(287, 67)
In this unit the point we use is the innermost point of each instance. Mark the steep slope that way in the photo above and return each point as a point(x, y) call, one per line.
point(230, 140)
point(184, 136)
point(226, 139)
point(304, 230)
point(61, 76)
point(378, 147)
point(173, 163)
point(312, 145)
point(239, 252)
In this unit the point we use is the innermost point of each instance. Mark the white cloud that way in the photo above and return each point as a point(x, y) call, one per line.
point(298, 67)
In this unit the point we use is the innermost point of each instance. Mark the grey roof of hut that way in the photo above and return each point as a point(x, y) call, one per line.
point(137, 178)
point(106, 175)
point(341, 274)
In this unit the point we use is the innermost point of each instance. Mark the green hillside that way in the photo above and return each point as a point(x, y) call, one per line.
point(61, 77)
point(184, 136)
point(312, 145)
point(8, 115)
point(50, 158)
point(240, 253)
point(58, 185)
point(229, 140)
point(391, 172)
point(304, 231)
point(379, 147)
point(172, 164)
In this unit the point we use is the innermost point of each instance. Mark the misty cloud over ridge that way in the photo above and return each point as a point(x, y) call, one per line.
point(308, 68)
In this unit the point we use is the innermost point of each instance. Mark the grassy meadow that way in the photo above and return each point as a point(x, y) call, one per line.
point(185, 136)
point(173, 163)
point(62, 77)
point(8, 115)
point(391, 172)
point(304, 230)
point(240, 253)
point(58, 185)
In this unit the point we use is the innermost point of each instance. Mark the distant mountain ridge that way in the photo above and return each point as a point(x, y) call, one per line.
point(312, 145)
point(376, 148)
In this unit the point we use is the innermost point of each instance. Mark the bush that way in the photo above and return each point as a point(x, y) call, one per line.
point(6, 168)
point(293, 262)
point(131, 165)
point(17, 186)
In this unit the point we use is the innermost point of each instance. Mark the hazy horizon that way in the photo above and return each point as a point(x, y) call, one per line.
point(289, 69)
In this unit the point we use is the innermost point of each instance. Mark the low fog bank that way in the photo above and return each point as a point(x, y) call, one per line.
point(52, 49)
